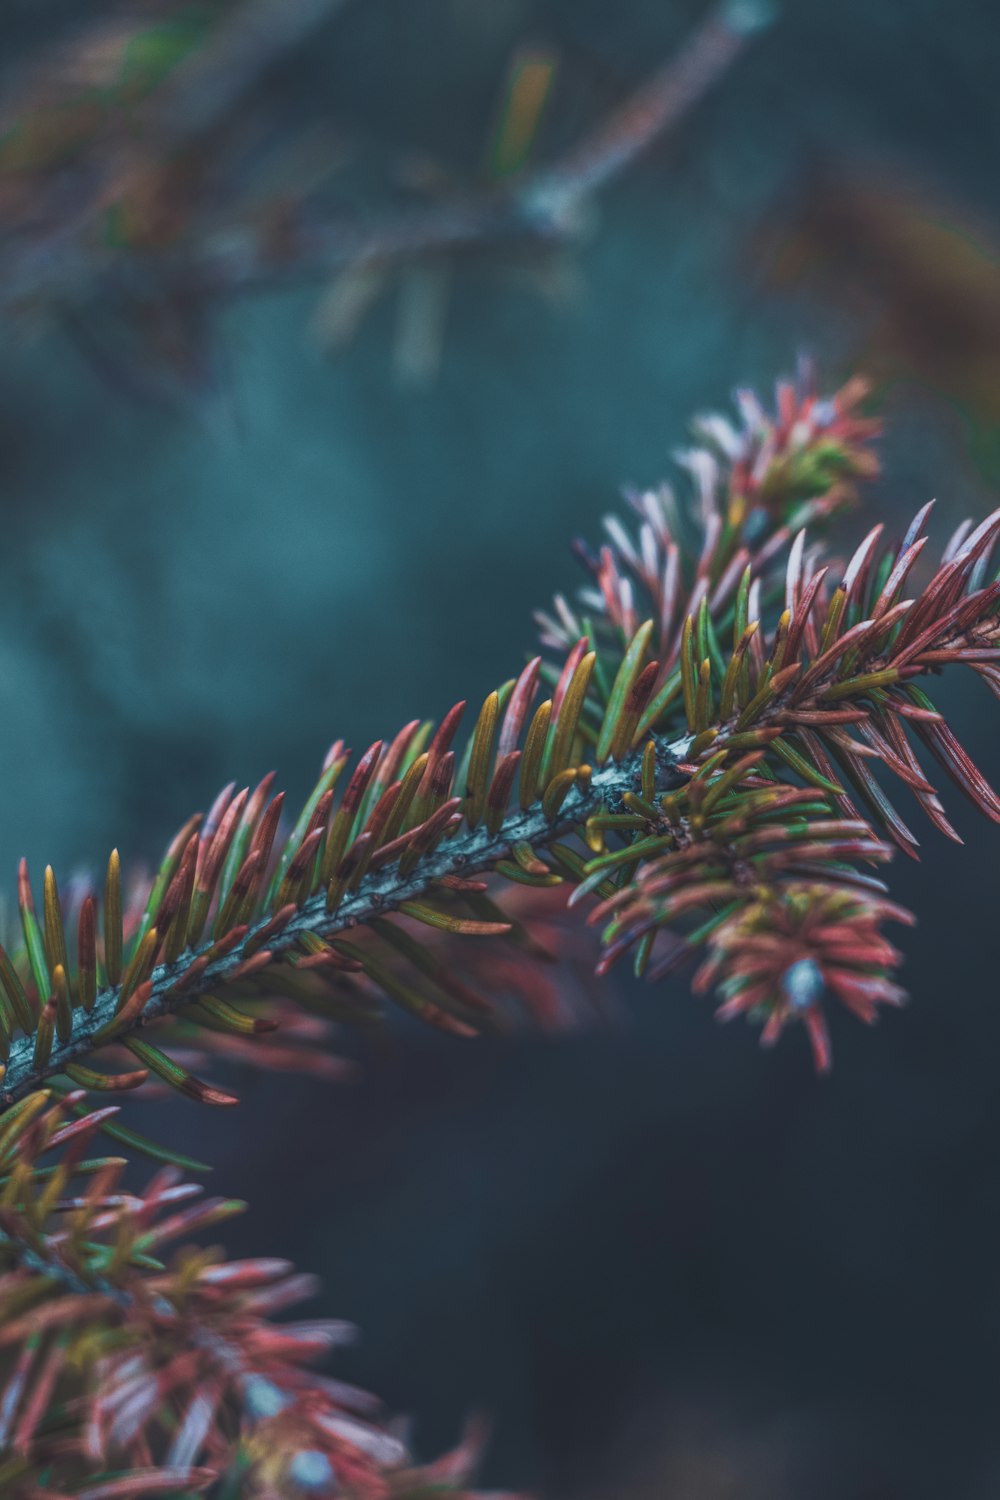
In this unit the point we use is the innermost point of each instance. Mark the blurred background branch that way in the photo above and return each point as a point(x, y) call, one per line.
point(118, 187)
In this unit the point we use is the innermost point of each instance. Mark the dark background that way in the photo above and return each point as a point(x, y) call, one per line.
point(668, 1265)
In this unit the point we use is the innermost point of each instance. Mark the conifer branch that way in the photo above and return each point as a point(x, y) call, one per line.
point(244, 251)
point(701, 774)
point(540, 208)
point(646, 722)
point(471, 851)
point(198, 1385)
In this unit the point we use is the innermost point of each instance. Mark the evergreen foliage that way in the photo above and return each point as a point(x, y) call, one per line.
point(710, 780)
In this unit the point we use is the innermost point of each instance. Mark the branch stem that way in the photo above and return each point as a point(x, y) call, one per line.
point(539, 209)
point(470, 851)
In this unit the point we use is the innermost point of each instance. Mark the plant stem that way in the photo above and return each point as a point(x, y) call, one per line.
point(470, 851)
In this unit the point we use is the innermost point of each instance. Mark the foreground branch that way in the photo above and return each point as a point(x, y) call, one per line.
point(713, 764)
point(770, 741)
point(471, 851)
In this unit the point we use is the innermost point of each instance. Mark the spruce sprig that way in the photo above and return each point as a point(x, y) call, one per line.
point(702, 776)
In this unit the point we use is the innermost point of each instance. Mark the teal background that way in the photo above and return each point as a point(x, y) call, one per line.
point(667, 1265)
